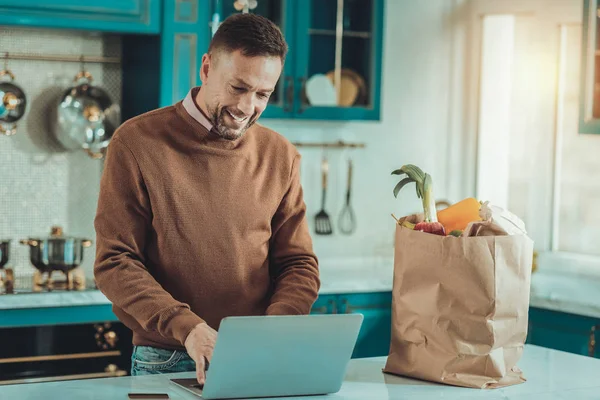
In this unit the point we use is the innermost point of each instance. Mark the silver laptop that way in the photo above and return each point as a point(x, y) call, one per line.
point(276, 356)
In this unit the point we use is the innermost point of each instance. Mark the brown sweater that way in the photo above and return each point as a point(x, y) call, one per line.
point(194, 228)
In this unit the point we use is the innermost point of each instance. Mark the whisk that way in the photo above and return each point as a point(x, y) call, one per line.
point(347, 220)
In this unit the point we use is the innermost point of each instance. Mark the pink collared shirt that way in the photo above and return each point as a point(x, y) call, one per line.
point(192, 108)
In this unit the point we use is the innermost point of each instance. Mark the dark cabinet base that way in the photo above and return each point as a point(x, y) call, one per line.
point(62, 352)
point(376, 308)
point(563, 331)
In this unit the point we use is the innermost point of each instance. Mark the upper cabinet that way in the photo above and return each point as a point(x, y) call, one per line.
point(159, 70)
point(135, 16)
point(332, 70)
point(338, 59)
point(333, 67)
point(185, 36)
point(589, 102)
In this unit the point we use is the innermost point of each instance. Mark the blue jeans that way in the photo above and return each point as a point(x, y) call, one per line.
point(147, 360)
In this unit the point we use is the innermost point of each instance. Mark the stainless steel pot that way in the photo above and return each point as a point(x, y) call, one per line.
point(56, 252)
point(12, 103)
point(4, 252)
point(86, 117)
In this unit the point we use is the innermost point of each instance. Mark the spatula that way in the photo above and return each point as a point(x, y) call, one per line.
point(322, 221)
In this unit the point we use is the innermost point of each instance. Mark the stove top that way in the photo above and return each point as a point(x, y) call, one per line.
point(57, 281)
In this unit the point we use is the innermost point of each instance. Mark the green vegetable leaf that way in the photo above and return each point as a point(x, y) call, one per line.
point(398, 172)
point(401, 184)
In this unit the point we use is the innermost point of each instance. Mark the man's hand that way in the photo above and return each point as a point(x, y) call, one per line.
point(200, 344)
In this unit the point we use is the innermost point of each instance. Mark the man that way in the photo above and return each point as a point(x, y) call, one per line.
point(201, 213)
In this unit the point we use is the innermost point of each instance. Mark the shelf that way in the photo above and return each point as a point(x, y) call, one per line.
point(331, 32)
point(338, 145)
point(62, 57)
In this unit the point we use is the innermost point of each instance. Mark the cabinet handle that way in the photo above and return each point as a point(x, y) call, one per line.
point(56, 357)
point(592, 341)
point(325, 309)
point(334, 309)
point(303, 98)
point(110, 371)
point(289, 93)
point(348, 308)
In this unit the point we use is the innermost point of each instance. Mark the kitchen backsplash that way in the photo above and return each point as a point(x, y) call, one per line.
point(42, 185)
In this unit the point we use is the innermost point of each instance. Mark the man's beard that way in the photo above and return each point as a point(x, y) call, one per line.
point(218, 121)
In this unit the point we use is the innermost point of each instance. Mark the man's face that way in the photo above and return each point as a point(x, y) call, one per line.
point(237, 89)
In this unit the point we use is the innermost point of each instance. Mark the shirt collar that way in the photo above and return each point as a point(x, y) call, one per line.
point(192, 108)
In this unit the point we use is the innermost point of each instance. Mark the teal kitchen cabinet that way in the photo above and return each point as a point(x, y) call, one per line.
point(141, 16)
point(376, 308)
point(185, 37)
point(350, 40)
point(589, 90)
point(325, 304)
point(322, 37)
point(375, 332)
point(562, 331)
point(159, 70)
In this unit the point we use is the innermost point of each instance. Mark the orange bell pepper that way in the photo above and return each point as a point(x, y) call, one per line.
point(458, 215)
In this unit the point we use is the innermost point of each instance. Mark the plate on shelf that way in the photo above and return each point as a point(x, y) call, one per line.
point(353, 88)
point(320, 91)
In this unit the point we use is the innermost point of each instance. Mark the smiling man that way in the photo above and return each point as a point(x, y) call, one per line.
point(201, 212)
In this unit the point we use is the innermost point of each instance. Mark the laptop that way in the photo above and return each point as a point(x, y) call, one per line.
point(278, 356)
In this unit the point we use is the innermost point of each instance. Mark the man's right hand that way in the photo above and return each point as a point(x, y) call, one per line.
point(200, 344)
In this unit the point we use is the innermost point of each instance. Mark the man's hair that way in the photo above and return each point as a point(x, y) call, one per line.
point(253, 34)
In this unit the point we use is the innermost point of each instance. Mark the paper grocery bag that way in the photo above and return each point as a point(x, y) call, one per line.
point(460, 308)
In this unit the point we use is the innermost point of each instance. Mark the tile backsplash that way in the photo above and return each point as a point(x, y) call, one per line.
point(41, 184)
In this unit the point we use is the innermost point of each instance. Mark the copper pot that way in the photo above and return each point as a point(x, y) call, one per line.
point(86, 117)
point(12, 103)
point(56, 252)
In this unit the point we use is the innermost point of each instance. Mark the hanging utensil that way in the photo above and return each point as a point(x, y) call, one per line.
point(12, 101)
point(347, 220)
point(86, 117)
point(322, 221)
point(4, 252)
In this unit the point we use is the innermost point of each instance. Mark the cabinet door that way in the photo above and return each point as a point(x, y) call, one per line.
point(375, 332)
point(140, 16)
point(562, 331)
point(184, 40)
point(281, 12)
point(589, 92)
point(338, 59)
point(325, 304)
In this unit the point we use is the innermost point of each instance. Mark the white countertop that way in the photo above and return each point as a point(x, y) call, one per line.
point(566, 292)
point(550, 375)
point(52, 299)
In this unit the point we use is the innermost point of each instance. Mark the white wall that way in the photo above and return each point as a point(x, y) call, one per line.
point(421, 95)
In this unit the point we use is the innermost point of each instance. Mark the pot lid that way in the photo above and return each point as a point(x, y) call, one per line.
point(56, 232)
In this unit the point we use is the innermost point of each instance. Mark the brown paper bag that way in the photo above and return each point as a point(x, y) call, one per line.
point(460, 308)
